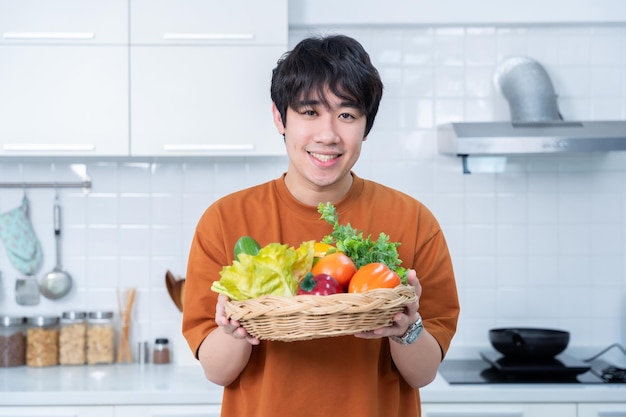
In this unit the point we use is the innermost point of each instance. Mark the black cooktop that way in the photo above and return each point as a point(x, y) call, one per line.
point(494, 368)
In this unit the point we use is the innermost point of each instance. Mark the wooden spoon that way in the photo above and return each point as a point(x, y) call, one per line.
point(173, 289)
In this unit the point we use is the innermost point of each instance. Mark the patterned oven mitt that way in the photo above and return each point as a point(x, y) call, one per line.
point(20, 241)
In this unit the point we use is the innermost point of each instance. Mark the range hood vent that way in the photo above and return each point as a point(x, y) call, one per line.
point(514, 138)
point(536, 125)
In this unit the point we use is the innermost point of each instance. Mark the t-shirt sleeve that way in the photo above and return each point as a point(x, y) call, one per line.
point(439, 304)
point(206, 258)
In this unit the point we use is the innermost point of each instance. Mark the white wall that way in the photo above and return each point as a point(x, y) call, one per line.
point(542, 244)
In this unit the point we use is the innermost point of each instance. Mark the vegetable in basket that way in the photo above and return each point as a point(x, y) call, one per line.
point(361, 250)
point(275, 270)
point(246, 244)
point(372, 276)
point(320, 284)
point(337, 265)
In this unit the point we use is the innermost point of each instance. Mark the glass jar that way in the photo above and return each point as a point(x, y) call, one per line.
point(100, 337)
point(12, 341)
point(42, 341)
point(73, 338)
point(161, 352)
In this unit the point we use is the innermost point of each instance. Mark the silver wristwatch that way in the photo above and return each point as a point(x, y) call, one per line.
point(412, 333)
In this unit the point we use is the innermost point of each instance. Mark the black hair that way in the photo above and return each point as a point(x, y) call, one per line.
point(336, 62)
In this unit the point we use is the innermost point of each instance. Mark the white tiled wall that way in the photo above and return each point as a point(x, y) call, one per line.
point(541, 244)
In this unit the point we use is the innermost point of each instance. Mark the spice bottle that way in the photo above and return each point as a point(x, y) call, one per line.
point(42, 341)
point(161, 352)
point(12, 341)
point(100, 337)
point(73, 338)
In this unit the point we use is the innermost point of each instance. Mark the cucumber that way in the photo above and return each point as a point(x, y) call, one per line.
point(247, 245)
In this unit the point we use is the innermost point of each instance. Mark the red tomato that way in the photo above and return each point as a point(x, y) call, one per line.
point(372, 276)
point(338, 265)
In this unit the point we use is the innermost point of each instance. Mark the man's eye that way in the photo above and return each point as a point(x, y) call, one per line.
point(346, 116)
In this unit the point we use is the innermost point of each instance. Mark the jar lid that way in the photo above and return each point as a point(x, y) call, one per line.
point(8, 321)
point(161, 341)
point(74, 315)
point(43, 320)
point(100, 314)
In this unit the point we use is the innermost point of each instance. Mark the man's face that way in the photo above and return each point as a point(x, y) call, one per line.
point(323, 142)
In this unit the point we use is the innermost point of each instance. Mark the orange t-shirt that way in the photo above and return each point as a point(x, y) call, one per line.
point(338, 376)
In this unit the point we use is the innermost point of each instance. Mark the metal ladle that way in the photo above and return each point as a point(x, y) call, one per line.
point(56, 283)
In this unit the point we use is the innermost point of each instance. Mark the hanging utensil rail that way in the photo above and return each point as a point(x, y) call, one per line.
point(84, 184)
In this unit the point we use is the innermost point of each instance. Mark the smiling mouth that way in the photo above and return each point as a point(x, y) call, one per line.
point(323, 157)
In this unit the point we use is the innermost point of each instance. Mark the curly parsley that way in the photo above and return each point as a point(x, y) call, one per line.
point(361, 250)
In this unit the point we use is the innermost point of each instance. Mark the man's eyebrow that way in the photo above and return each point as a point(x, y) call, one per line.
point(316, 102)
point(308, 102)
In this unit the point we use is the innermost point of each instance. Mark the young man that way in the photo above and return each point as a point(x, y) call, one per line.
point(325, 95)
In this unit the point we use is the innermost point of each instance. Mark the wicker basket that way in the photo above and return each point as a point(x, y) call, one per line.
point(305, 317)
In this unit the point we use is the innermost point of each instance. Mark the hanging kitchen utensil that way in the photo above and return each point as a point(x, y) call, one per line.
point(27, 291)
point(20, 241)
point(56, 283)
point(23, 250)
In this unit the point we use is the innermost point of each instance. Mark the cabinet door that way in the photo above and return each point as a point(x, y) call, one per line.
point(61, 411)
point(168, 411)
point(209, 22)
point(63, 100)
point(211, 101)
point(64, 21)
point(498, 410)
point(602, 410)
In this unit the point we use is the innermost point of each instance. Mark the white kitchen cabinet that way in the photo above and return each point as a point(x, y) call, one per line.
point(57, 411)
point(454, 12)
point(63, 78)
point(602, 410)
point(63, 100)
point(200, 76)
point(213, 22)
point(168, 411)
point(88, 22)
point(499, 410)
point(203, 101)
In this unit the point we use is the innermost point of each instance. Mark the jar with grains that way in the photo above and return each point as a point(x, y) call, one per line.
point(73, 338)
point(42, 341)
point(100, 337)
point(12, 341)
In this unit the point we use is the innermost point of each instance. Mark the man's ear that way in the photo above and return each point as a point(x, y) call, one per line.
point(278, 119)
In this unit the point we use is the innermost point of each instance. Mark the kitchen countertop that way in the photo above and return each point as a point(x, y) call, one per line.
point(134, 384)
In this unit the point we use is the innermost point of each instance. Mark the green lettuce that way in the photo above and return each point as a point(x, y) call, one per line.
point(275, 270)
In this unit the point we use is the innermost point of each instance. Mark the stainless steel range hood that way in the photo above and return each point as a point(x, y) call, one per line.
point(537, 126)
point(511, 138)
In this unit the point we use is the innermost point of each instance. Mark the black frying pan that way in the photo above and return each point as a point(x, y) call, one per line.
point(528, 343)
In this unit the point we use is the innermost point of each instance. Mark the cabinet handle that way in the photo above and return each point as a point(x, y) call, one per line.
point(208, 36)
point(37, 147)
point(48, 35)
point(483, 413)
point(611, 413)
point(217, 147)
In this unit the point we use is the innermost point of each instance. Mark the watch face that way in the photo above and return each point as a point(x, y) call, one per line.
point(414, 331)
point(412, 337)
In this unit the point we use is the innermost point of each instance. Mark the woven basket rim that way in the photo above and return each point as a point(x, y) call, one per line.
point(304, 317)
